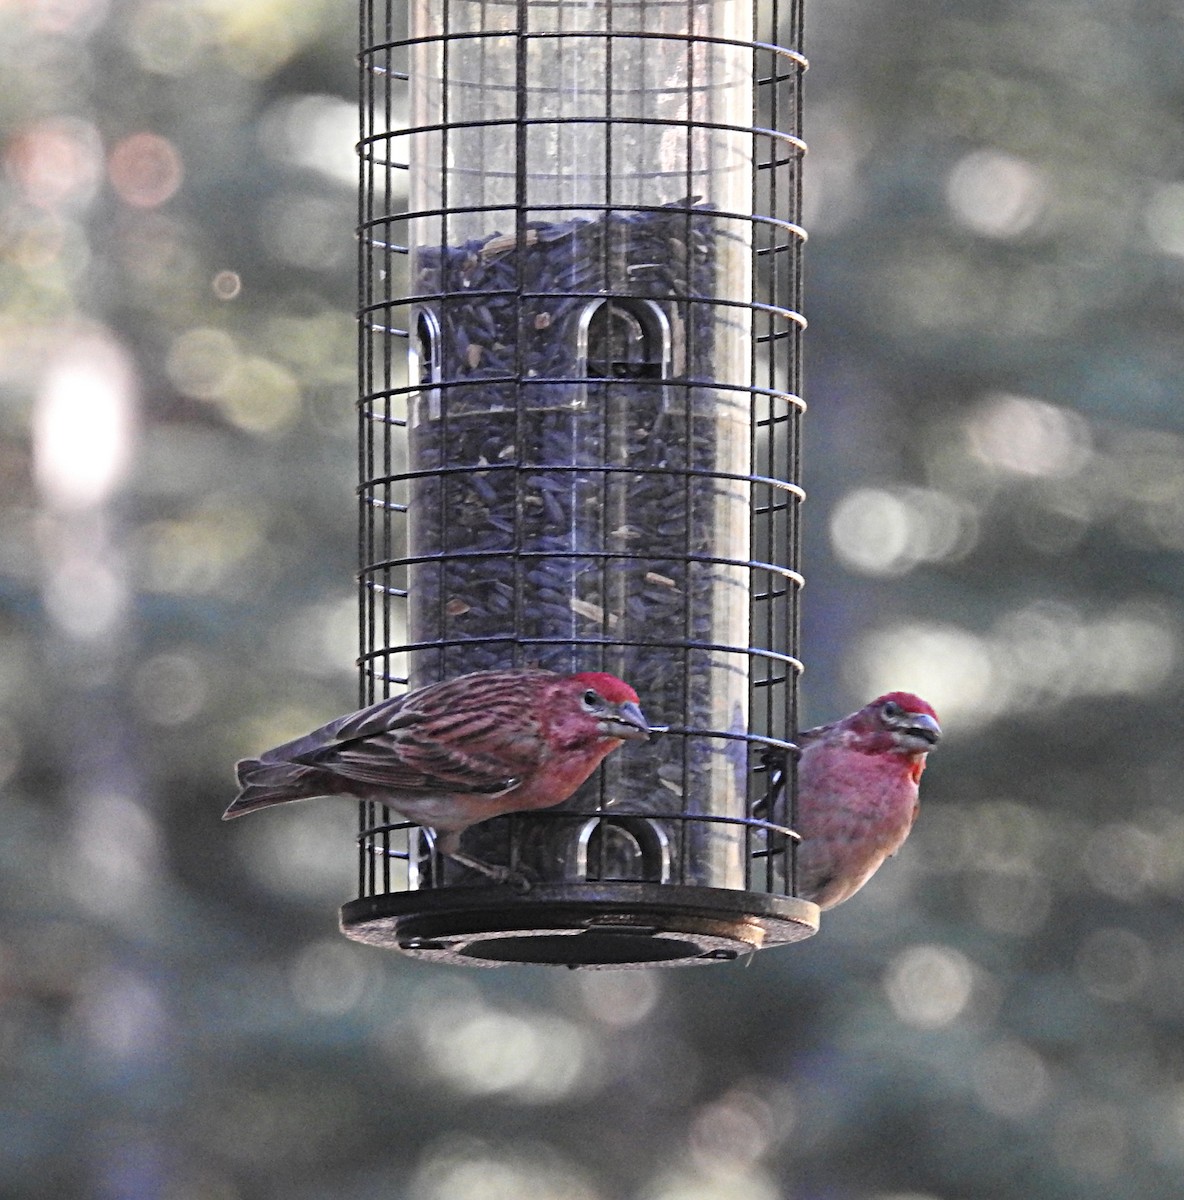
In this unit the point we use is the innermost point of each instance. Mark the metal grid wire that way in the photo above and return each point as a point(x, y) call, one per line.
point(580, 406)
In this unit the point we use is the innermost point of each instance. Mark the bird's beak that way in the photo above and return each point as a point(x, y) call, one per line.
point(923, 726)
point(627, 723)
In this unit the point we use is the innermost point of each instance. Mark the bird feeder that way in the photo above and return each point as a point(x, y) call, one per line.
point(579, 417)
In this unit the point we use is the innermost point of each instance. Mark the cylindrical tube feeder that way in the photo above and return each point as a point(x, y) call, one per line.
point(579, 420)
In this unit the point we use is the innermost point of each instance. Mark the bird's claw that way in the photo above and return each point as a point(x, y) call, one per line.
point(521, 880)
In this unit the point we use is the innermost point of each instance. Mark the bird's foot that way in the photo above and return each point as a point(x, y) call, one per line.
point(520, 880)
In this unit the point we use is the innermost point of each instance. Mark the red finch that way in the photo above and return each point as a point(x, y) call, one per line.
point(858, 793)
point(452, 754)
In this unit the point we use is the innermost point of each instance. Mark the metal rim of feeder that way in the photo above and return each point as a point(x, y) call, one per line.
point(579, 299)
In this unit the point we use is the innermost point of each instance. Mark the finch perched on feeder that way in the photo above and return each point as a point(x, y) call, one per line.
point(858, 793)
point(451, 754)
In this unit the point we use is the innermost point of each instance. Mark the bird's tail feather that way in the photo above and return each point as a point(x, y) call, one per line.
point(262, 784)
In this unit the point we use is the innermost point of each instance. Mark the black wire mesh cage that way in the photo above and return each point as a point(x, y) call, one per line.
point(579, 439)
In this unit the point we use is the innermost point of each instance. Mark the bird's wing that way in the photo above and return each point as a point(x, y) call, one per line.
point(415, 743)
point(397, 760)
point(804, 739)
point(806, 736)
point(386, 714)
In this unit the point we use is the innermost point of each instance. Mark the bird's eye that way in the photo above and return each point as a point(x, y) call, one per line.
point(892, 709)
point(592, 699)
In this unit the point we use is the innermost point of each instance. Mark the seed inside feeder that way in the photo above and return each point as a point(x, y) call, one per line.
point(568, 486)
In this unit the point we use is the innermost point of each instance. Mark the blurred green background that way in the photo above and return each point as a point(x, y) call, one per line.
point(995, 460)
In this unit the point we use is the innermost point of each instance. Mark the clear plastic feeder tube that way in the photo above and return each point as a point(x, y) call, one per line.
point(581, 441)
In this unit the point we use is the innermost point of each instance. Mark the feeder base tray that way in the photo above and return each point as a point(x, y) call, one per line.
point(606, 926)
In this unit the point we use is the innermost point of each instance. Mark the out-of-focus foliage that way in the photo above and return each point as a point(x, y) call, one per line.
point(996, 440)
